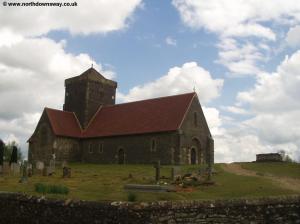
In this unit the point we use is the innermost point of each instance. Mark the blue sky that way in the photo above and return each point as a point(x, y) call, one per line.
point(241, 56)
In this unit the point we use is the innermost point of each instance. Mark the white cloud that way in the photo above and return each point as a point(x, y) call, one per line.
point(88, 17)
point(239, 18)
point(275, 102)
point(239, 59)
point(32, 73)
point(293, 36)
point(236, 110)
point(178, 80)
point(171, 41)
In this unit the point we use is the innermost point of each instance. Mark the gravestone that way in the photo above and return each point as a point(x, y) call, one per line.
point(14, 155)
point(1, 155)
point(6, 168)
point(157, 171)
point(29, 170)
point(40, 167)
point(66, 172)
point(175, 172)
point(24, 173)
point(15, 168)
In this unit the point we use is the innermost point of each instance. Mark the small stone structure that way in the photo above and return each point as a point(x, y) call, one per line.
point(269, 157)
point(28, 209)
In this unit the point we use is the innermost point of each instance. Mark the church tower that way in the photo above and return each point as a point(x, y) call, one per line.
point(84, 94)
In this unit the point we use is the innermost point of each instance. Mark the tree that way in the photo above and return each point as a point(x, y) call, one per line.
point(285, 157)
point(8, 148)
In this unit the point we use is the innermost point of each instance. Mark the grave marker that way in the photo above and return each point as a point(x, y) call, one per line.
point(157, 171)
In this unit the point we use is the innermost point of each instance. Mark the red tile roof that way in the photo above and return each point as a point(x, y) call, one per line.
point(146, 116)
point(63, 123)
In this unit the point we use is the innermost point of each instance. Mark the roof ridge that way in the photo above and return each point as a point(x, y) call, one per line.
point(156, 98)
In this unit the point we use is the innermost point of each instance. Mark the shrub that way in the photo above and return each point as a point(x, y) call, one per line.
point(131, 197)
point(51, 189)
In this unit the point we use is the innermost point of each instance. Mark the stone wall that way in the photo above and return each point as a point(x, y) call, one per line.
point(137, 149)
point(17, 208)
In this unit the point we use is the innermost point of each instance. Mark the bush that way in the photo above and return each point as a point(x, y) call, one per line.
point(131, 197)
point(51, 189)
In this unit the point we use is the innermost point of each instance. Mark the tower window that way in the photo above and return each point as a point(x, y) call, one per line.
point(195, 119)
point(153, 145)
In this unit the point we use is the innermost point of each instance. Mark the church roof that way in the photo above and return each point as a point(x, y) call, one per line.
point(145, 116)
point(63, 123)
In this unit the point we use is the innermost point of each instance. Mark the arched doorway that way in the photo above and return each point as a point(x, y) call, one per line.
point(193, 156)
point(121, 156)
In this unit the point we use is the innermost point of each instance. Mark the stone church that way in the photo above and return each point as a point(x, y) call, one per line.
point(91, 128)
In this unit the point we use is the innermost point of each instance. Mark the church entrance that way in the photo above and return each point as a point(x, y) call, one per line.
point(121, 156)
point(193, 156)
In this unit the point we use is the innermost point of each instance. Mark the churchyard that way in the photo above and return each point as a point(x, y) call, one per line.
point(106, 182)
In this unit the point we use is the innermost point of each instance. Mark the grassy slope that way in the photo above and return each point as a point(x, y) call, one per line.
point(275, 168)
point(105, 182)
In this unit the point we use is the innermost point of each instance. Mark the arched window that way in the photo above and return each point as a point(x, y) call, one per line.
point(195, 119)
point(153, 145)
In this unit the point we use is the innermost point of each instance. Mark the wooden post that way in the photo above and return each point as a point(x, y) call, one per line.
point(157, 171)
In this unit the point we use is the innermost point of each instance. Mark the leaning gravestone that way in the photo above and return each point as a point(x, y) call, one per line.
point(1, 155)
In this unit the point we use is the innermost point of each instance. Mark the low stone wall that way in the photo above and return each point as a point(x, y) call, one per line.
point(18, 208)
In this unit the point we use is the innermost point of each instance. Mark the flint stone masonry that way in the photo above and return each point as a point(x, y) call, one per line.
point(28, 209)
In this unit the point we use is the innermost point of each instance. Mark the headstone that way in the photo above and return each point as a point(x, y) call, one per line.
point(14, 155)
point(157, 171)
point(6, 168)
point(24, 173)
point(66, 172)
point(29, 169)
point(15, 168)
point(40, 167)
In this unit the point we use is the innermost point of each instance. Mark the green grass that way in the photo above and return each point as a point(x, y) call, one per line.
point(105, 182)
point(51, 189)
point(281, 169)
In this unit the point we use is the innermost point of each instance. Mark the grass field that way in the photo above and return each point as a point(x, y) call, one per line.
point(105, 182)
point(274, 168)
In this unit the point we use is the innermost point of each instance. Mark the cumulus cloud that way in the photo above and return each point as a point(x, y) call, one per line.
point(293, 36)
point(275, 102)
point(88, 17)
point(239, 24)
point(239, 18)
point(178, 80)
point(32, 73)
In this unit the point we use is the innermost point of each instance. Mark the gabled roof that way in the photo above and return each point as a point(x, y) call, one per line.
point(63, 123)
point(145, 116)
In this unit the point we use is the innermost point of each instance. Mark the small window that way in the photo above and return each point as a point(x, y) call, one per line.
point(153, 145)
point(100, 148)
point(90, 148)
point(195, 119)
